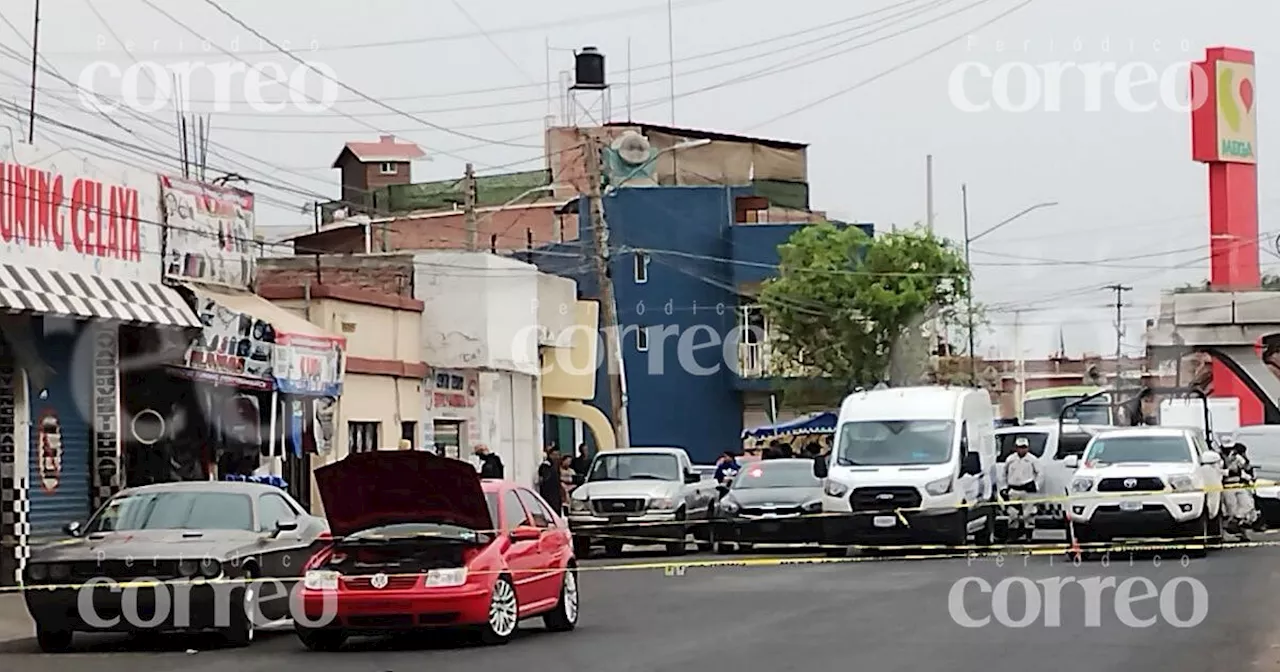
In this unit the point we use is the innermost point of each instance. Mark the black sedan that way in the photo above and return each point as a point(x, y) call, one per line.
point(173, 556)
point(769, 502)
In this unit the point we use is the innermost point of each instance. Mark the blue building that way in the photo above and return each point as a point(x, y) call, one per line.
point(686, 262)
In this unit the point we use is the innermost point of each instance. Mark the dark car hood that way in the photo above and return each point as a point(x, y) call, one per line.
point(146, 544)
point(367, 490)
point(775, 496)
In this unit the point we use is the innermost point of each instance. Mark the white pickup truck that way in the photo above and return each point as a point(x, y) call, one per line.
point(641, 495)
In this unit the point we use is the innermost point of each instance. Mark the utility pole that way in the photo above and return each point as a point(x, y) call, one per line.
point(973, 360)
point(1119, 290)
point(1019, 364)
point(928, 192)
point(604, 281)
point(35, 55)
point(469, 206)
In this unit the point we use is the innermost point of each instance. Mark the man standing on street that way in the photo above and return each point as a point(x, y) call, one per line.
point(549, 485)
point(490, 464)
point(1022, 475)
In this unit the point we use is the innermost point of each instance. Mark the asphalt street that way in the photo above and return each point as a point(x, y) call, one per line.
point(884, 614)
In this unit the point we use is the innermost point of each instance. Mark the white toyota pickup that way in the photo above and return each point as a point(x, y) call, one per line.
point(1146, 482)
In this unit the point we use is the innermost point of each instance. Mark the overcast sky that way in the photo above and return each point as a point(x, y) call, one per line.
point(865, 82)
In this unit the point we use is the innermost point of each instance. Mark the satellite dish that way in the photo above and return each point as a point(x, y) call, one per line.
point(632, 148)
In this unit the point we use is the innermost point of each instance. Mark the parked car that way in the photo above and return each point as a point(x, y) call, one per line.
point(173, 533)
point(421, 542)
point(640, 494)
point(766, 503)
point(1147, 482)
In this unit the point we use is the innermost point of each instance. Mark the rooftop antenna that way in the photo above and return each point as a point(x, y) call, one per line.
point(628, 79)
point(35, 54)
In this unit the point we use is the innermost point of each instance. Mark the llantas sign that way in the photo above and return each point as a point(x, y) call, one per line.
point(81, 215)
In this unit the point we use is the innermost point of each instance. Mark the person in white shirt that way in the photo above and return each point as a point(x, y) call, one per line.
point(1022, 476)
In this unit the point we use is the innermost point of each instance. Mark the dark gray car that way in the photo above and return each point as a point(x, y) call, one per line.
point(173, 556)
point(769, 502)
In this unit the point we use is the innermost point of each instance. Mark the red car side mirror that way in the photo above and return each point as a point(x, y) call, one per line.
point(526, 533)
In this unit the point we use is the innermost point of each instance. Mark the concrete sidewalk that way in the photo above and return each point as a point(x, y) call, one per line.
point(14, 621)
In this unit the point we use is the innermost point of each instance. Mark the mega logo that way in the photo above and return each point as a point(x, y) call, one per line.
point(1235, 106)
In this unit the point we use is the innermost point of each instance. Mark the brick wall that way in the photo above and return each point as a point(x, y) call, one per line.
point(511, 225)
point(384, 274)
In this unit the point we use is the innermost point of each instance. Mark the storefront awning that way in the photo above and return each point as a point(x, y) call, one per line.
point(250, 342)
point(77, 295)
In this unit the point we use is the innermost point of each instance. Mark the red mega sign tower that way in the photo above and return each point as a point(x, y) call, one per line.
point(1224, 135)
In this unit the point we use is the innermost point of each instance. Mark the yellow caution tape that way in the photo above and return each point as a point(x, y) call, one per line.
point(927, 551)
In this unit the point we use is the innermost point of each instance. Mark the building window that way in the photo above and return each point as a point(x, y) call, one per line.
point(409, 432)
point(387, 168)
point(362, 437)
point(448, 437)
point(642, 339)
point(641, 262)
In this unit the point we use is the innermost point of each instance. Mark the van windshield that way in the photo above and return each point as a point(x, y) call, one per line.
point(895, 442)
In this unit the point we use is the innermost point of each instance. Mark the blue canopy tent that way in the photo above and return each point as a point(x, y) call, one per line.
point(818, 423)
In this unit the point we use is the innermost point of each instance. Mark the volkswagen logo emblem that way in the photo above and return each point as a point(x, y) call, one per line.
point(1131, 483)
point(378, 581)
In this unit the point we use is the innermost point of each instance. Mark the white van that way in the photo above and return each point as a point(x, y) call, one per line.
point(910, 465)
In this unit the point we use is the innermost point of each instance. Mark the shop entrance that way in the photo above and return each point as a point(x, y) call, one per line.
point(448, 437)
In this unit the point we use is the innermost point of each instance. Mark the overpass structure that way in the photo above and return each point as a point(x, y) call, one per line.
point(1236, 328)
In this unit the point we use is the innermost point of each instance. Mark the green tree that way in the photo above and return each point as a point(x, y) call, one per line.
point(842, 301)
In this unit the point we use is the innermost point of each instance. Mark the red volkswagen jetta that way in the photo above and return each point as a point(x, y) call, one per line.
point(421, 542)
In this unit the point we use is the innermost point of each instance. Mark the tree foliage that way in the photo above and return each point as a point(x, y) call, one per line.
point(843, 303)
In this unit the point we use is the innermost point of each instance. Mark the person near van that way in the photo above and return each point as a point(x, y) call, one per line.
point(1237, 496)
point(490, 463)
point(1022, 472)
point(726, 467)
point(549, 484)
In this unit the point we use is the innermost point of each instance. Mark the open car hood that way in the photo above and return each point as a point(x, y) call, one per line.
point(368, 490)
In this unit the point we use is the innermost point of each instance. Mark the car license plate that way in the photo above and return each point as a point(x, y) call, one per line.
point(770, 527)
point(1130, 506)
point(884, 521)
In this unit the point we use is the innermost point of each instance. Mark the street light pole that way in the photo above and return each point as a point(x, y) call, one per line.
point(968, 242)
point(968, 298)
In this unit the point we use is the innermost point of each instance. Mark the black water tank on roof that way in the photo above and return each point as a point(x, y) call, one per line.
point(588, 66)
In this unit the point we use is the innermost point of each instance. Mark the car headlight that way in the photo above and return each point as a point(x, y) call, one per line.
point(1182, 483)
point(834, 489)
point(321, 579)
point(188, 568)
point(662, 504)
point(813, 507)
point(210, 568)
point(939, 487)
point(437, 578)
point(1082, 485)
point(729, 506)
point(578, 506)
point(38, 572)
point(59, 572)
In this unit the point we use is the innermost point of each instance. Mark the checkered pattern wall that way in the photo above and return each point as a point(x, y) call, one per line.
point(14, 526)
